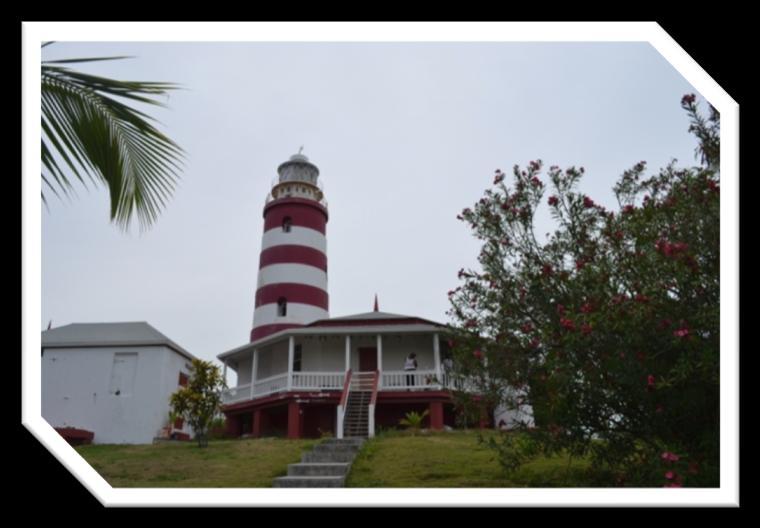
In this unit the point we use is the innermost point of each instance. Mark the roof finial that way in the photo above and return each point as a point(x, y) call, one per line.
point(301, 149)
point(376, 308)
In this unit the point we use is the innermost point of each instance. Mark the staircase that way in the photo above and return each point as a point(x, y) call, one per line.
point(356, 420)
point(326, 466)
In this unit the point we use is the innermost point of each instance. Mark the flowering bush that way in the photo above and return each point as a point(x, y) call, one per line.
point(609, 329)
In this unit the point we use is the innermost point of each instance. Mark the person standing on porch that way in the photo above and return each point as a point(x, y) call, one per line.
point(410, 366)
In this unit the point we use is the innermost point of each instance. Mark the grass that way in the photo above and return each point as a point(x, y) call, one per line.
point(392, 460)
point(224, 463)
point(454, 460)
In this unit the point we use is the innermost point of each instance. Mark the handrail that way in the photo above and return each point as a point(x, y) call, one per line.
point(374, 388)
point(346, 386)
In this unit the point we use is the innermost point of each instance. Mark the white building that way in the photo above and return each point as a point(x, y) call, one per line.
point(112, 379)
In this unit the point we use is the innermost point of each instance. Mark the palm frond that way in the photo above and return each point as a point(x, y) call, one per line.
point(96, 134)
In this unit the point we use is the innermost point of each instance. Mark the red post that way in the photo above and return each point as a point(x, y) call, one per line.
point(436, 416)
point(232, 425)
point(256, 423)
point(294, 420)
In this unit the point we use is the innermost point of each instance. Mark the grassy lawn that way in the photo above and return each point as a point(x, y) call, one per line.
point(392, 460)
point(225, 463)
point(453, 460)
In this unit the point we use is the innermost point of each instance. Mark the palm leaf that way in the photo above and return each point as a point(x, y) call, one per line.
point(89, 128)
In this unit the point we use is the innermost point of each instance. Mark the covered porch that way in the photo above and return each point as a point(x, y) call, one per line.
point(320, 362)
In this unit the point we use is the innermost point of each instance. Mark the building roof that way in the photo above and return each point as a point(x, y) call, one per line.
point(372, 318)
point(364, 323)
point(108, 334)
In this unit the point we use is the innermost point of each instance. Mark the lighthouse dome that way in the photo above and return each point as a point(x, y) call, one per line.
point(298, 169)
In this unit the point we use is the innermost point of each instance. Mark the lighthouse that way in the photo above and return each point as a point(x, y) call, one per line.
point(291, 289)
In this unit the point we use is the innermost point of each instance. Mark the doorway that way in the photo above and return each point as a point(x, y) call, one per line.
point(367, 359)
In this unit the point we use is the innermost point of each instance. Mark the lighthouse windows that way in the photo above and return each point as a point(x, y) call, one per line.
point(287, 222)
point(282, 307)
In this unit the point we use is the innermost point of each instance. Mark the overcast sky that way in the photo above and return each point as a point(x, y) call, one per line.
point(405, 137)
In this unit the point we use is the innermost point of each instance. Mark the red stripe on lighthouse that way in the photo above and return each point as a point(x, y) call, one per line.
point(291, 254)
point(294, 293)
point(302, 213)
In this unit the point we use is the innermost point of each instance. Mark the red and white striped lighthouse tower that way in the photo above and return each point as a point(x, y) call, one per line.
point(292, 284)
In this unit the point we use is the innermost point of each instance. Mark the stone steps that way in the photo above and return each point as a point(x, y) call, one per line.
point(326, 466)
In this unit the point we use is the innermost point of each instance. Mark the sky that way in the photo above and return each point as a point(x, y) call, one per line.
point(405, 135)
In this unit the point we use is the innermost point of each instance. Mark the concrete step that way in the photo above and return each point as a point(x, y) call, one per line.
point(352, 441)
point(336, 448)
point(336, 457)
point(323, 469)
point(309, 482)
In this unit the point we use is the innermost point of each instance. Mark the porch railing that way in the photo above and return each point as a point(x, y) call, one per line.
point(389, 381)
point(318, 380)
point(409, 380)
point(236, 394)
point(270, 385)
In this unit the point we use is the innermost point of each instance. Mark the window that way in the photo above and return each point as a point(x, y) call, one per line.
point(297, 355)
point(286, 223)
point(183, 379)
point(282, 307)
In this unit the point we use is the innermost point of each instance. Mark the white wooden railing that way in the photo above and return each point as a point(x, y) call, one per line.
point(409, 380)
point(270, 385)
point(390, 381)
point(236, 394)
point(319, 380)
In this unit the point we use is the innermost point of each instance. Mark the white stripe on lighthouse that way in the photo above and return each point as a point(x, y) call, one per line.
point(297, 314)
point(299, 236)
point(292, 273)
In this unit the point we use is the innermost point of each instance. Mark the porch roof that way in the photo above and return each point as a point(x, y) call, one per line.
point(367, 323)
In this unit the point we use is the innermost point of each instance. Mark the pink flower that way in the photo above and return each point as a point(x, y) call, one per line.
point(667, 456)
point(688, 99)
point(451, 343)
point(478, 354)
point(553, 200)
point(498, 178)
point(586, 328)
point(560, 309)
point(567, 324)
point(547, 270)
point(650, 383)
point(587, 308)
point(535, 343)
point(681, 332)
point(588, 202)
point(628, 209)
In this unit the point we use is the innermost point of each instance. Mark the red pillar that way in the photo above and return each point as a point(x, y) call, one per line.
point(232, 425)
point(256, 423)
point(294, 420)
point(436, 416)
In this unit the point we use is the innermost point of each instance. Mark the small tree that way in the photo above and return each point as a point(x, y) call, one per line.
point(608, 329)
point(200, 401)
